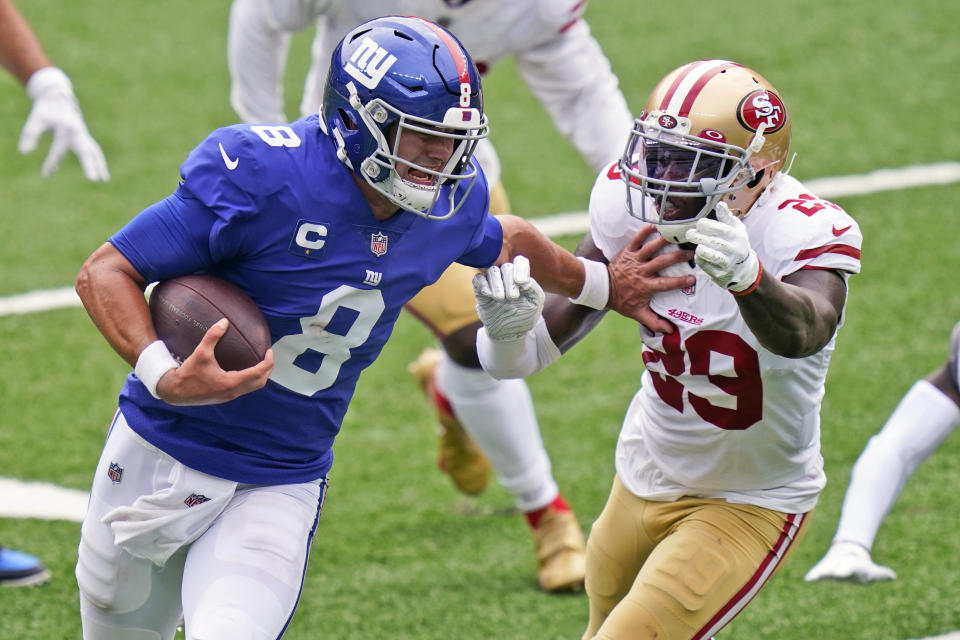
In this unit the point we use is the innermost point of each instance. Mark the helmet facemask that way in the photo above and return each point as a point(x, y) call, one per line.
point(464, 126)
point(681, 177)
point(393, 78)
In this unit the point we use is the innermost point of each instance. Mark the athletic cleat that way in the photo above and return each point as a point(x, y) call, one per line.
point(849, 562)
point(561, 552)
point(458, 455)
point(19, 569)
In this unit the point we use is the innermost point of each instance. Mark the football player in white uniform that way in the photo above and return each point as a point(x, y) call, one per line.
point(718, 461)
point(924, 418)
point(55, 107)
point(565, 68)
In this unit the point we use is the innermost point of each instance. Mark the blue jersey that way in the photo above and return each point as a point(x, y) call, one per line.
point(272, 209)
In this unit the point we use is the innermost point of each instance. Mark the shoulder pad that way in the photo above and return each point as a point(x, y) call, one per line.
point(237, 166)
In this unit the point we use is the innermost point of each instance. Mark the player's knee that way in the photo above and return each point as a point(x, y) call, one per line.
point(98, 576)
point(93, 629)
point(223, 622)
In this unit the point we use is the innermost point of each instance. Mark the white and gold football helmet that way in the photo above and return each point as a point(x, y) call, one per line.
point(712, 130)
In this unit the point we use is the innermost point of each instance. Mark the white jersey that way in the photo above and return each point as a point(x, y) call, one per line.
point(555, 53)
point(718, 415)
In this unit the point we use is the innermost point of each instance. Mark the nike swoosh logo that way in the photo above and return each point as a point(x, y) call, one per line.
point(836, 232)
point(232, 164)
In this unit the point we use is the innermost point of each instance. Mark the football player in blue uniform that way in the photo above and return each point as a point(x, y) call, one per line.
point(210, 485)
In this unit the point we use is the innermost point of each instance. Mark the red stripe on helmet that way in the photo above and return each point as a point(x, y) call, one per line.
point(697, 87)
point(456, 51)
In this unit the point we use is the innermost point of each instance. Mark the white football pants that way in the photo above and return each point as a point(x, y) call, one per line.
point(499, 415)
point(917, 427)
point(239, 580)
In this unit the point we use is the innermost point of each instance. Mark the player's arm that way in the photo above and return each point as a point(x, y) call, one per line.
point(258, 42)
point(793, 317)
point(20, 51)
point(573, 80)
point(625, 285)
point(516, 341)
point(111, 290)
point(55, 107)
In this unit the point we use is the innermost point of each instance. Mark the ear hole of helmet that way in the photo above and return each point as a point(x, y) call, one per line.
point(756, 179)
point(347, 120)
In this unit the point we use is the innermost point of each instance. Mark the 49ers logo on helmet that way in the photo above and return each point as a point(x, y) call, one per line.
point(762, 107)
point(667, 121)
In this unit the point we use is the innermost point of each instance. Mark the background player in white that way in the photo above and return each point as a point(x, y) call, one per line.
point(209, 488)
point(926, 415)
point(565, 68)
point(718, 462)
point(55, 107)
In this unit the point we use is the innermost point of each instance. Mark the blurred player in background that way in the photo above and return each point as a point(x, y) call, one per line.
point(55, 109)
point(210, 484)
point(718, 462)
point(565, 68)
point(924, 418)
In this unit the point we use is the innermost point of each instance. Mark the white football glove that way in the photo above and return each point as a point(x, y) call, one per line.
point(509, 301)
point(849, 562)
point(55, 109)
point(723, 250)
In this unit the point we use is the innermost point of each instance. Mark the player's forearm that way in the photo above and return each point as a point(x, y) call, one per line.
point(113, 298)
point(789, 320)
point(20, 52)
point(555, 268)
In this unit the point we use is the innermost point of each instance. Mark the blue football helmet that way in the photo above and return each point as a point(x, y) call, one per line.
point(394, 75)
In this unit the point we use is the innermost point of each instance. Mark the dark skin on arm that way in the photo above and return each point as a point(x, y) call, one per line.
point(793, 318)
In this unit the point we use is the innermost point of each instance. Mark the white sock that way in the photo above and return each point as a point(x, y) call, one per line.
point(919, 424)
point(499, 415)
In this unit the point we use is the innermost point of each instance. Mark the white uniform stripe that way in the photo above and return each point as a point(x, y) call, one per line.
point(689, 81)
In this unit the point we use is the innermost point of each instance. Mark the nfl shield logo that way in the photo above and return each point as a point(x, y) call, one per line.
point(378, 244)
point(115, 473)
point(692, 289)
point(194, 499)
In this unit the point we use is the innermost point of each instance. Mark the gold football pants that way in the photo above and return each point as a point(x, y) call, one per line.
point(679, 570)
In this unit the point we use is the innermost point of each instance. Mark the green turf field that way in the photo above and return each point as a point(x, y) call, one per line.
point(399, 554)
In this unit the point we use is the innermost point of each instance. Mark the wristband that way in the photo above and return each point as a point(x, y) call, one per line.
point(533, 352)
point(596, 285)
point(752, 287)
point(154, 361)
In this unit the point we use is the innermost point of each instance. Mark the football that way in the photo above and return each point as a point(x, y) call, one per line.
point(184, 308)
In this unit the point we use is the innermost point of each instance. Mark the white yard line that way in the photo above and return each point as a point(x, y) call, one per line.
point(42, 500)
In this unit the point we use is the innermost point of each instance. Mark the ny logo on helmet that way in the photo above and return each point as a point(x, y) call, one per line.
point(369, 63)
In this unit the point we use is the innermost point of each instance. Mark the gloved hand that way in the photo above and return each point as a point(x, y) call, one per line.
point(55, 109)
point(724, 252)
point(509, 301)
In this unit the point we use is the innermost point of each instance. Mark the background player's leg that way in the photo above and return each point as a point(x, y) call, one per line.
point(499, 415)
